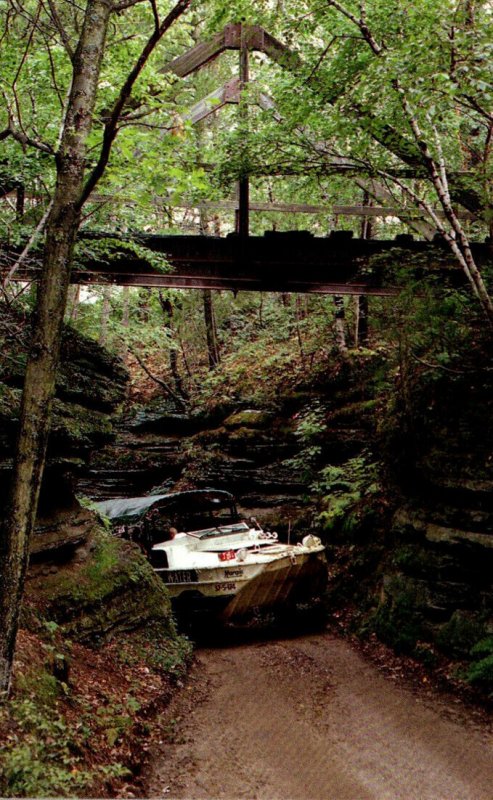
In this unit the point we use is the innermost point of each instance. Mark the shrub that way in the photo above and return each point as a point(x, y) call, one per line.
point(41, 760)
point(460, 634)
point(481, 673)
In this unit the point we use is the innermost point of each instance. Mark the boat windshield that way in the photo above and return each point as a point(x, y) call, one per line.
point(221, 530)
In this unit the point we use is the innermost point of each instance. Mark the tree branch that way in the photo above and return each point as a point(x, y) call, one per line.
point(25, 140)
point(360, 23)
point(111, 126)
point(155, 14)
point(179, 400)
point(457, 241)
point(32, 240)
point(61, 30)
point(124, 4)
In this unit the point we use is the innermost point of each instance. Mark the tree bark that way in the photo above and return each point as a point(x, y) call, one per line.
point(210, 328)
point(73, 303)
point(209, 316)
point(340, 324)
point(168, 310)
point(39, 385)
point(105, 316)
point(361, 312)
point(62, 224)
point(20, 201)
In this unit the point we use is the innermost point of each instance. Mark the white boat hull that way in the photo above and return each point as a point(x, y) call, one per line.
point(272, 580)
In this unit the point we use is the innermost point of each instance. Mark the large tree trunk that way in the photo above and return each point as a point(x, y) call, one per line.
point(39, 385)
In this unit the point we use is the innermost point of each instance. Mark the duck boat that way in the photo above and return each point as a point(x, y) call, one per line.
point(230, 564)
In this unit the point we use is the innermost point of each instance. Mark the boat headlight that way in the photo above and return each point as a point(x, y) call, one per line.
point(241, 554)
point(311, 541)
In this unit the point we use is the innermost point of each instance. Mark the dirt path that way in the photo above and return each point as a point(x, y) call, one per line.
point(310, 718)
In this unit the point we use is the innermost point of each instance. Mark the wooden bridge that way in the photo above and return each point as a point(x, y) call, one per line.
point(275, 262)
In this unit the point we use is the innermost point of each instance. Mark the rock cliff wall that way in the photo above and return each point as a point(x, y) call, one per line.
point(90, 386)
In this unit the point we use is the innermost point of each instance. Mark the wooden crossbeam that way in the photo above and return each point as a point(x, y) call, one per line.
point(289, 208)
point(307, 208)
point(227, 94)
point(197, 56)
point(230, 38)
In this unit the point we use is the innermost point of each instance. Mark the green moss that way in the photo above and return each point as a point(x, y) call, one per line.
point(10, 400)
point(413, 559)
point(114, 590)
point(158, 650)
point(244, 435)
point(250, 418)
point(459, 635)
point(396, 620)
point(78, 425)
point(39, 685)
point(483, 648)
point(353, 410)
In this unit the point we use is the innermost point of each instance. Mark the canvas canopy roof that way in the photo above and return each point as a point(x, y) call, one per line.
point(132, 509)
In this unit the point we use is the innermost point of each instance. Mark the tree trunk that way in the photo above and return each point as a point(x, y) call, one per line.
point(210, 328)
point(73, 303)
point(105, 316)
point(299, 318)
point(361, 321)
point(340, 324)
point(361, 313)
point(39, 385)
point(209, 316)
point(168, 310)
point(20, 202)
point(126, 306)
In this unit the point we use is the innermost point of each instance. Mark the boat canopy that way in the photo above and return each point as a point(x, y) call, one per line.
point(128, 511)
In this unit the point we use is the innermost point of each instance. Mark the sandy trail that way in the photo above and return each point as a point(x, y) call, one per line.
point(310, 718)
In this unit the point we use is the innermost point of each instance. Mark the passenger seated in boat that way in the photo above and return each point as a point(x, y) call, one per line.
point(173, 534)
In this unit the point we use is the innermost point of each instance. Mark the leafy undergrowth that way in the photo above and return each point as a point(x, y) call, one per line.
point(79, 721)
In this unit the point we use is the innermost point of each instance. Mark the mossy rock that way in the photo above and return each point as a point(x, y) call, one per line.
point(110, 589)
point(397, 620)
point(361, 412)
point(77, 428)
point(68, 528)
point(249, 418)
